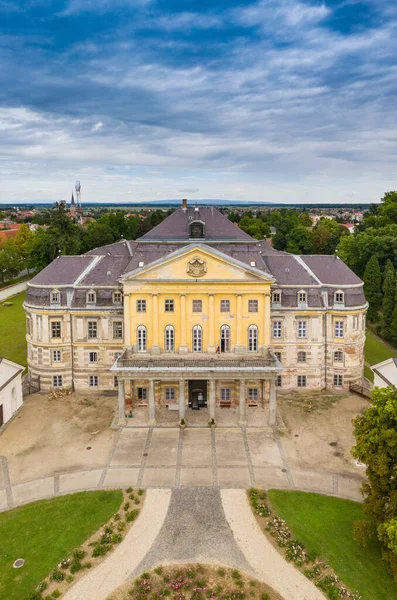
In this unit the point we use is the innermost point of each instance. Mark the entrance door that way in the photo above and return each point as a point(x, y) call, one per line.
point(197, 394)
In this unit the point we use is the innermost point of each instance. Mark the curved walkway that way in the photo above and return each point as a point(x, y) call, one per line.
point(195, 525)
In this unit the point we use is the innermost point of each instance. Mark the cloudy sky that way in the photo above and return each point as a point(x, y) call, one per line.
point(268, 100)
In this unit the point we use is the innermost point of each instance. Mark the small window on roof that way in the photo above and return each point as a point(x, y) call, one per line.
point(302, 297)
point(196, 229)
point(339, 297)
point(55, 297)
point(91, 297)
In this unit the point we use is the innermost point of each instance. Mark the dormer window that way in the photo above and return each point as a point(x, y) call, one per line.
point(55, 297)
point(116, 297)
point(302, 297)
point(196, 229)
point(91, 297)
point(276, 297)
point(339, 297)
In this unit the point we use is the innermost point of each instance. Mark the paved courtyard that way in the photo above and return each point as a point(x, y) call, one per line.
point(232, 457)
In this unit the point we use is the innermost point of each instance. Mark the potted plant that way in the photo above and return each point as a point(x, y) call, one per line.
point(182, 423)
point(211, 423)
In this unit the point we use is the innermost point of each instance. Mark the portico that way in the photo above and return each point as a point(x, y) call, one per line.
point(213, 382)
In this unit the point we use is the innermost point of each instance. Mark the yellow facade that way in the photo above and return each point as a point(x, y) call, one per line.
point(221, 281)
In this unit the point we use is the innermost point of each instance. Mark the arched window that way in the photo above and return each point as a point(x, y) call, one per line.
point(252, 338)
point(197, 339)
point(225, 338)
point(169, 338)
point(142, 338)
point(196, 229)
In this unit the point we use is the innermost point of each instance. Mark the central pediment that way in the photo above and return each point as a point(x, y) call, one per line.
point(198, 262)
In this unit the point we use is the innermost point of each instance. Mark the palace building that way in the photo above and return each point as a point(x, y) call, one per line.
point(195, 313)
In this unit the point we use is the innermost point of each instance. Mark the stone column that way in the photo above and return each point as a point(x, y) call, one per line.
point(266, 321)
point(272, 402)
point(182, 401)
point(152, 406)
point(122, 419)
point(183, 348)
point(212, 399)
point(239, 348)
point(243, 416)
point(211, 324)
point(155, 349)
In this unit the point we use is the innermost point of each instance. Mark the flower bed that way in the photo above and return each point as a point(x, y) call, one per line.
point(93, 551)
point(195, 582)
point(293, 550)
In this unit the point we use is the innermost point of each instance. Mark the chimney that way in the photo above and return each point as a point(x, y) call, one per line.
point(184, 204)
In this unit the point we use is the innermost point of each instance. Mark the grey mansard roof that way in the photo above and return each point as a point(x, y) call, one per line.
point(103, 267)
point(217, 227)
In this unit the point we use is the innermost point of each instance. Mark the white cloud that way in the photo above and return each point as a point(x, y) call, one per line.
point(97, 126)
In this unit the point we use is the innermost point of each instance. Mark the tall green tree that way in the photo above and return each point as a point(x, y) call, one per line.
point(376, 446)
point(388, 302)
point(373, 287)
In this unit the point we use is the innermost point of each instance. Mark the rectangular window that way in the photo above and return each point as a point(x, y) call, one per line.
point(91, 298)
point(301, 380)
point(93, 381)
point(117, 330)
point(276, 297)
point(170, 394)
point(252, 305)
point(302, 357)
point(169, 306)
point(56, 356)
point(92, 329)
point(339, 329)
point(93, 357)
point(338, 380)
point(55, 329)
point(302, 297)
point(117, 297)
point(55, 297)
point(339, 297)
point(302, 329)
point(197, 306)
point(141, 306)
point(279, 381)
point(252, 394)
point(28, 325)
point(115, 382)
point(57, 381)
point(142, 394)
point(277, 329)
point(225, 394)
point(338, 356)
point(278, 356)
point(355, 322)
point(225, 305)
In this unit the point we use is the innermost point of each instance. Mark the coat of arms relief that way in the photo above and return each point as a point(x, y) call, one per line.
point(196, 267)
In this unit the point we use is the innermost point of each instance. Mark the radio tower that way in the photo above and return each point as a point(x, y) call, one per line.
point(79, 208)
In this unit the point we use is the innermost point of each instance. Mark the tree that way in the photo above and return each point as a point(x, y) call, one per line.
point(23, 242)
point(372, 287)
point(393, 324)
point(376, 446)
point(388, 302)
point(10, 261)
point(305, 220)
point(299, 240)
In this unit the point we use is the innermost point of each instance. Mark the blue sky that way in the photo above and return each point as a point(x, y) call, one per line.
point(269, 100)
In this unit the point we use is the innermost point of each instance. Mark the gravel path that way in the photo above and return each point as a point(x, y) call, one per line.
point(266, 562)
point(116, 568)
point(195, 530)
point(189, 525)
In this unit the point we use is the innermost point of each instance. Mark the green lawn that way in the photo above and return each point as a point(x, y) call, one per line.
point(13, 330)
point(325, 525)
point(376, 350)
point(44, 532)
